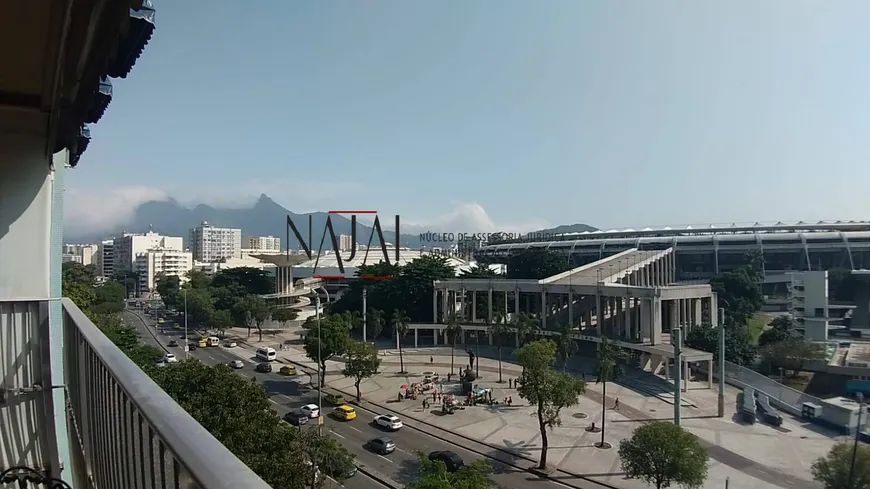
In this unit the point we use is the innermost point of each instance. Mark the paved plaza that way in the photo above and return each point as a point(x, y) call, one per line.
point(757, 456)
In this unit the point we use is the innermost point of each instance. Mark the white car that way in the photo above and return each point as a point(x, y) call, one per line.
point(312, 410)
point(169, 358)
point(231, 344)
point(237, 364)
point(388, 421)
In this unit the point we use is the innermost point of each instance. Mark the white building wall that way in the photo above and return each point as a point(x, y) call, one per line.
point(129, 246)
point(809, 303)
point(209, 243)
point(152, 263)
point(262, 243)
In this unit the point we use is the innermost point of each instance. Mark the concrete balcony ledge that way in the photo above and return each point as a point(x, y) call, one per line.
point(122, 429)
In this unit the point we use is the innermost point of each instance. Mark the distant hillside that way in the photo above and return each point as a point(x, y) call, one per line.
point(265, 218)
point(565, 229)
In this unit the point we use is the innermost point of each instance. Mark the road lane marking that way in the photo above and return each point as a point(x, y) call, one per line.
point(213, 358)
point(385, 458)
point(273, 401)
point(337, 434)
point(355, 429)
point(333, 480)
point(243, 374)
point(405, 452)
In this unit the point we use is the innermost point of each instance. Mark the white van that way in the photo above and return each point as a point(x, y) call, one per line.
point(213, 341)
point(266, 354)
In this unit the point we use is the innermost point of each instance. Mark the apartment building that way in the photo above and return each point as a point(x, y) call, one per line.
point(106, 258)
point(808, 303)
point(170, 262)
point(85, 254)
point(345, 242)
point(128, 247)
point(262, 243)
point(209, 243)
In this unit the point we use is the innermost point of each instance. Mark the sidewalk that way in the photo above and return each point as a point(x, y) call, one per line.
point(735, 450)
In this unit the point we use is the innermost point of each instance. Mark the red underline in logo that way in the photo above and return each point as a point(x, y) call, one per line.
point(330, 277)
point(342, 277)
point(353, 212)
point(376, 277)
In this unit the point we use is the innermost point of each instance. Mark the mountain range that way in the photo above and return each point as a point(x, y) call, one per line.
point(266, 217)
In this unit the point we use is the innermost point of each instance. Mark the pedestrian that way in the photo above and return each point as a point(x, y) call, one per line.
point(510, 383)
point(431, 360)
point(510, 401)
point(616, 404)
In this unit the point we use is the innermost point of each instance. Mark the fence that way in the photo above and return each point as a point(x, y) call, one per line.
point(789, 400)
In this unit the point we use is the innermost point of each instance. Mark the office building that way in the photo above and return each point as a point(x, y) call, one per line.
point(106, 258)
point(170, 262)
point(130, 245)
point(262, 243)
point(209, 243)
point(85, 254)
point(345, 242)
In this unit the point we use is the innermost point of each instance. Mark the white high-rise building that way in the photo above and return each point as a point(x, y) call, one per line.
point(106, 258)
point(345, 242)
point(263, 243)
point(130, 245)
point(808, 297)
point(209, 243)
point(150, 263)
point(85, 254)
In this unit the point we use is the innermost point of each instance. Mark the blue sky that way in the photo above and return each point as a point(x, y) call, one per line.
point(507, 114)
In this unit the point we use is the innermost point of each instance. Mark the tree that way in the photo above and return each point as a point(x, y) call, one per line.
point(110, 292)
point(434, 475)
point(76, 272)
point(453, 331)
point(197, 279)
point(361, 362)
point(535, 263)
point(221, 321)
point(566, 344)
point(81, 293)
point(498, 331)
point(782, 329)
point(662, 453)
point(331, 340)
point(738, 346)
point(354, 319)
point(545, 388)
point(740, 291)
point(199, 306)
point(792, 354)
point(169, 288)
point(833, 470)
point(323, 453)
point(251, 280)
point(610, 358)
point(253, 311)
point(377, 322)
point(284, 315)
point(527, 327)
point(400, 325)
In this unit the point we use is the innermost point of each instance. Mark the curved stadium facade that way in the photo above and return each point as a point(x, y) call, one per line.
point(701, 253)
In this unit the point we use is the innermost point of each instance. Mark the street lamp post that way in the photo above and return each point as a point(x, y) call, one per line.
point(186, 344)
point(857, 437)
point(319, 361)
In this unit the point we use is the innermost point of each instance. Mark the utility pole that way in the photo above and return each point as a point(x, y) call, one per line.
point(186, 345)
point(857, 437)
point(364, 314)
point(721, 362)
point(677, 340)
point(319, 371)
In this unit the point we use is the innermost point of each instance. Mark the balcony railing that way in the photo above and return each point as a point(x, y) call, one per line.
point(124, 431)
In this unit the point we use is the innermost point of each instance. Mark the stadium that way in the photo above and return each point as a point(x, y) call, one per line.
point(702, 252)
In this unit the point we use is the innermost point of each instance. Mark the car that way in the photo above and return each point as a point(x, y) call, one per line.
point(191, 346)
point(344, 412)
point(230, 344)
point(173, 343)
point(339, 468)
point(161, 364)
point(335, 400)
point(169, 358)
point(237, 364)
point(161, 321)
point(312, 410)
point(451, 459)
point(264, 367)
point(382, 445)
point(288, 370)
point(388, 421)
point(296, 417)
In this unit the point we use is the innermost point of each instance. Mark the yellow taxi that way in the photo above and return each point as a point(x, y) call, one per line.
point(345, 413)
point(335, 400)
point(288, 370)
point(203, 342)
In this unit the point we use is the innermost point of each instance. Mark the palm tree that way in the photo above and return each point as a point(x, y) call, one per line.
point(377, 320)
point(453, 331)
point(527, 327)
point(498, 331)
point(610, 358)
point(400, 326)
point(354, 319)
point(566, 344)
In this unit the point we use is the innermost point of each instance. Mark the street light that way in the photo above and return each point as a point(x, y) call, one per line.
point(319, 358)
point(186, 344)
point(857, 437)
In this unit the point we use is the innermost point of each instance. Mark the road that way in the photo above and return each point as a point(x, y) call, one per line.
point(287, 393)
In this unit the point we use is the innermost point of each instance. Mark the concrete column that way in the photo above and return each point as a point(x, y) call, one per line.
point(416, 338)
point(645, 318)
point(544, 309)
point(516, 303)
point(445, 307)
point(463, 306)
point(570, 308)
point(435, 305)
point(588, 318)
point(714, 310)
point(619, 318)
point(488, 335)
point(685, 375)
point(435, 334)
point(489, 307)
point(710, 374)
point(473, 306)
point(699, 312)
